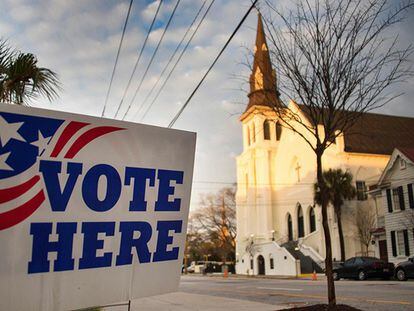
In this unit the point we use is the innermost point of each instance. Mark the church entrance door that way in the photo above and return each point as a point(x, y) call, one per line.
point(383, 250)
point(261, 265)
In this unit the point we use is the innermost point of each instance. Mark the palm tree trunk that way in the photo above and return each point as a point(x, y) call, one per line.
point(341, 234)
point(325, 225)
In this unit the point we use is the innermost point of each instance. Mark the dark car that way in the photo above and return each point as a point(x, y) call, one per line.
point(362, 268)
point(405, 270)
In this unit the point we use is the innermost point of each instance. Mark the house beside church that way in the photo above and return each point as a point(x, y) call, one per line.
point(279, 229)
point(394, 198)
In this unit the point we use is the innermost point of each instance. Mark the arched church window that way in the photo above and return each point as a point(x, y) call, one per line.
point(266, 130)
point(278, 130)
point(253, 134)
point(290, 227)
point(301, 231)
point(248, 136)
point(312, 219)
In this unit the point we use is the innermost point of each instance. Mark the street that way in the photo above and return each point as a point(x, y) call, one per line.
point(367, 295)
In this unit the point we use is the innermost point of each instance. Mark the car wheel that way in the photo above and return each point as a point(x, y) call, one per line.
point(335, 276)
point(401, 276)
point(362, 275)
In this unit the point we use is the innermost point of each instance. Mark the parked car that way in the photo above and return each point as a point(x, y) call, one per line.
point(405, 270)
point(362, 268)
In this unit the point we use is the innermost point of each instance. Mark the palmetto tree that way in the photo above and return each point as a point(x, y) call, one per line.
point(340, 188)
point(21, 80)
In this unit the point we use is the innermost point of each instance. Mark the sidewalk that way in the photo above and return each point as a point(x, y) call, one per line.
point(179, 301)
point(184, 301)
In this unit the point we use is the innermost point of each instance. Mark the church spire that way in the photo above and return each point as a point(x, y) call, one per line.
point(263, 90)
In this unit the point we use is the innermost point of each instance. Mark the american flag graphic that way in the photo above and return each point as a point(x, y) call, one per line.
point(23, 140)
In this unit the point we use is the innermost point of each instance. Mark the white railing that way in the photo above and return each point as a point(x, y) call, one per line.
point(310, 251)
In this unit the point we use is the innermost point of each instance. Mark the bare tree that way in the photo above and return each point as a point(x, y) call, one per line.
point(197, 245)
point(216, 217)
point(365, 223)
point(333, 58)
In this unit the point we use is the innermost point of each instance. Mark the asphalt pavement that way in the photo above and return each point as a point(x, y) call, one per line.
point(367, 295)
point(209, 293)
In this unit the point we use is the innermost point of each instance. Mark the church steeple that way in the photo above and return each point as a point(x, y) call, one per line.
point(263, 91)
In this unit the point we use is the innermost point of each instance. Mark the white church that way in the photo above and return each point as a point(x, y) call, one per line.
point(279, 229)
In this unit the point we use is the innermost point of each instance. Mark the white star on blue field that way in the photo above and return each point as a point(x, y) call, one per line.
point(79, 40)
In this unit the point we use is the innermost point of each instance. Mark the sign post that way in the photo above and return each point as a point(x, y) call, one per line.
point(92, 211)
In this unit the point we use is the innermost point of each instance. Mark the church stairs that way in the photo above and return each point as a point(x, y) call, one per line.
point(307, 264)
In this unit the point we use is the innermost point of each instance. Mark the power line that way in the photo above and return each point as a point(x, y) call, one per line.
point(168, 63)
point(213, 182)
point(117, 57)
point(178, 60)
point(152, 59)
point(139, 58)
point(212, 65)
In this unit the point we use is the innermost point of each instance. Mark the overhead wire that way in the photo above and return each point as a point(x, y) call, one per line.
point(139, 57)
point(168, 63)
point(117, 57)
point(178, 60)
point(175, 118)
point(152, 59)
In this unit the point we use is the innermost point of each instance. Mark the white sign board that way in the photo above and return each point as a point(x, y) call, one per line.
point(92, 211)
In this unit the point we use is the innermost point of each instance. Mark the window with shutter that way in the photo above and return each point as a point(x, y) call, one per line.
point(407, 246)
point(398, 199)
point(401, 198)
point(389, 200)
point(410, 195)
point(400, 243)
point(393, 244)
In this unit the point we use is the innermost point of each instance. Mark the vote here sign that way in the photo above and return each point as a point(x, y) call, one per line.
point(92, 211)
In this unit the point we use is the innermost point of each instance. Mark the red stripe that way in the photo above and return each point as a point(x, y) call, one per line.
point(70, 130)
point(17, 215)
point(87, 137)
point(9, 194)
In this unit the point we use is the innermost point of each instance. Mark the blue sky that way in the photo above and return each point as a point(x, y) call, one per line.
point(79, 40)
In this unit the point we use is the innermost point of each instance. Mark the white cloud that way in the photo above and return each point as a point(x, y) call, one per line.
point(149, 11)
point(23, 13)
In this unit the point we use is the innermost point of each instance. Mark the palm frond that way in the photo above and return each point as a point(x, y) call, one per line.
point(21, 80)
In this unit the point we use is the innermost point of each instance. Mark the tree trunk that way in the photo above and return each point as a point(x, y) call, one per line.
point(341, 235)
point(325, 225)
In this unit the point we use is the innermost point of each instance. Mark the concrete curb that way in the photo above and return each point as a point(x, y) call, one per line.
point(320, 276)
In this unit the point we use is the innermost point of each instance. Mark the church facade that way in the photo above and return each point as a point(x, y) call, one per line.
point(279, 229)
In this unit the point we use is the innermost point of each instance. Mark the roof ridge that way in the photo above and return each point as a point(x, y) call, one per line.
point(367, 113)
